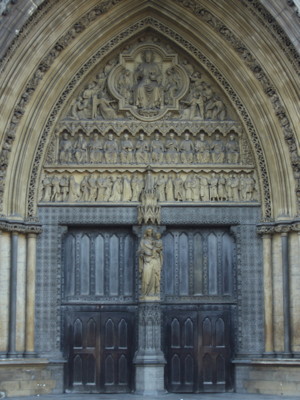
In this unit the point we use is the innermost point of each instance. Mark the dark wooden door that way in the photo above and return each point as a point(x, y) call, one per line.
point(116, 352)
point(214, 349)
point(100, 349)
point(198, 349)
point(181, 329)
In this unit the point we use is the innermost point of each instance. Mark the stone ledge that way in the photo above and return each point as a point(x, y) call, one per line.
point(272, 361)
point(29, 361)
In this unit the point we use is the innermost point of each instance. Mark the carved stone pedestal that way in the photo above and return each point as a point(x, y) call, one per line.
point(149, 359)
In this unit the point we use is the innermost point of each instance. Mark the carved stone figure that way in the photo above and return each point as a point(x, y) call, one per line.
point(111, 149)
point(217, 150)
point(117, 190)
point(233, 188)
point(202, 150)
point(213, 192)
point(80, 107)
point(179, 192)
point(172, 85)
point(187, 150)
point(108, 185)
point(47, 189)
point(232, 150)
point(249, 188)
point(85, 189)
point(65, 149)
point(93, 188)
point(73, 190)
point(124, 85)
point(194, 184)
point(104, 106)
point(214, 108)
point(96, 149)
point(157, 149)
point(142, 150)
point(80, 149)
point(56, 196)
point(64, 187)
point(150, 263)
point(188, 188)
point(148, 78)
point(196, 101)
point(161, 187)
point(172, 147)
point(222, 193)
point(127, 189)
point(101, 184)
point(242, 187)
point(204, 188)
point(127, 150)
point(169, 189)
point(137, 187)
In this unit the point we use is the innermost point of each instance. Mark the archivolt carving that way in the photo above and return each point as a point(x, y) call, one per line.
point(197, 54)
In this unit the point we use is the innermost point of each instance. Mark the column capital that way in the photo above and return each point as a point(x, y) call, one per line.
point(8, 225)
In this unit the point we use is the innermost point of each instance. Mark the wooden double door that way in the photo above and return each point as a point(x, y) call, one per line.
point(99, 348)
point(100, 308)
point(198, 349)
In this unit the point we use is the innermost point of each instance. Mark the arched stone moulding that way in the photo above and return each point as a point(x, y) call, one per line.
point(284, 208)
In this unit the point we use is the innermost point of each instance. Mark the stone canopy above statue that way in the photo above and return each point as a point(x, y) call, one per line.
point(148, 81)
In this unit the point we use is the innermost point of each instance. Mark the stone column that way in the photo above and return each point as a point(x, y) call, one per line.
point(30, 294)
point(17, 288)
point(286, 293)
point(4, 292)
point(12, 352)
point(268, 295)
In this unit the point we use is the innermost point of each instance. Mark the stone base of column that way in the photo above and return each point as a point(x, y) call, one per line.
point(149, 359)
point(149, 379)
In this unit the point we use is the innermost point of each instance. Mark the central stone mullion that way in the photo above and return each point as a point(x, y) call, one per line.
point(149, 359)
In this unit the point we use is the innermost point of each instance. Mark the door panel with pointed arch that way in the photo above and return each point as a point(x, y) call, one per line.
point(198, 348)
point(99, 347)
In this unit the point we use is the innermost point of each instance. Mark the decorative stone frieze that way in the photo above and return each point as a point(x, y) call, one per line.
point(114, 186)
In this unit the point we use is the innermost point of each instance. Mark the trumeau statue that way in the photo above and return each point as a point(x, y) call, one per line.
point(150, 254)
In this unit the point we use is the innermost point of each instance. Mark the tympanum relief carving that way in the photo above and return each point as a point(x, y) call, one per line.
point(149, 108)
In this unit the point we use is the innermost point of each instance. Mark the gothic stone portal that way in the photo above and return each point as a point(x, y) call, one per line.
point(148, 128)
